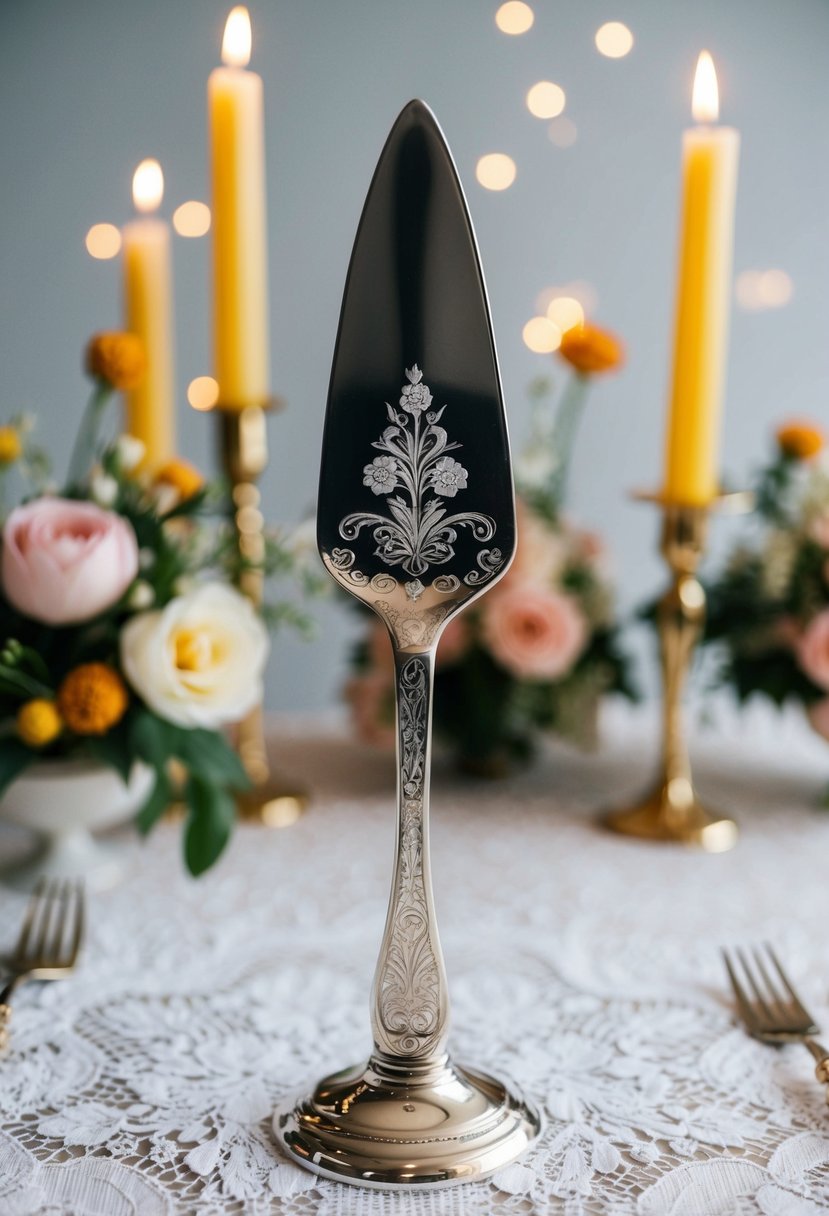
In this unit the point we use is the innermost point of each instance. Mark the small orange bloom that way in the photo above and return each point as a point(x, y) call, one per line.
point(800, 440)
point(182, 476)
point(116, 358)
point(590, 349)
point(92, 699)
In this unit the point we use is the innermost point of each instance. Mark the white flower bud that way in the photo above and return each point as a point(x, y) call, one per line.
point(104, 490)
point(130, 452)
point(141, 596)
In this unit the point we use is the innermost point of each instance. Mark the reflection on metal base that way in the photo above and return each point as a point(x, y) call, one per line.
point(275, 804)
point(680, 820)
point(377, 1129)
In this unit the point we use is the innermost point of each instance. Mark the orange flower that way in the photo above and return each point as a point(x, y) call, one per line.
point(11, 445)
point(184, 477)
point(117, 359)
point(591, 350)
point(92, 699)
point(800, 440)
point(38, 722)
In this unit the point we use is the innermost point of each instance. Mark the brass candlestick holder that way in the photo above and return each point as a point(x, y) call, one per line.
point(243, 443)
point(671, 811)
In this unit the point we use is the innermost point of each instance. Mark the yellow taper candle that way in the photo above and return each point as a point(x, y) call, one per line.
point(240, 273)
point(709, 184)
point(148, 308)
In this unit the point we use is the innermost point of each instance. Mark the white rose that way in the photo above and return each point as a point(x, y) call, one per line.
point(200, 660)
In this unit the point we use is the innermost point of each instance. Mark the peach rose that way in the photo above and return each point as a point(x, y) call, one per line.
point(819, 530)
point(64, 561)
point(813, 650)
point(534, 633)
point(540, 552)
point(453, 643)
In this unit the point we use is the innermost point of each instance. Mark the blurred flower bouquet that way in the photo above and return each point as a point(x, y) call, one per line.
point(122, 640)
point(542, 648)
point(769, 609)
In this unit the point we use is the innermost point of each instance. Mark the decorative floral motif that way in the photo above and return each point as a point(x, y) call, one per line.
point(448, 476)
point(381, 475)
point(417, 532)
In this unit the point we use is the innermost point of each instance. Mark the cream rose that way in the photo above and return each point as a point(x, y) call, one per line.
point(200, 660)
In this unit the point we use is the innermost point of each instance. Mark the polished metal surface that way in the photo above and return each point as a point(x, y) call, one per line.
point(672, 811)
point(49, 942)
point(416, 518)
point(769, 1006)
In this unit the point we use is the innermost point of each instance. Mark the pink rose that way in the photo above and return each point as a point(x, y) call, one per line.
point(534, 633)
point(813, 650)
point(64, 562)
point(540, 553)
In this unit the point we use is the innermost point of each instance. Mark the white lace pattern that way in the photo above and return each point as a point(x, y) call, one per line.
point(582, 966)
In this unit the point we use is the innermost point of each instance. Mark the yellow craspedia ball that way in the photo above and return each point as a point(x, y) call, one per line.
point(92, 699)
point(800, 440)
point(39, 722)
point(591, 350)
point(182, 476)
point(11, 445)
point(117, 359)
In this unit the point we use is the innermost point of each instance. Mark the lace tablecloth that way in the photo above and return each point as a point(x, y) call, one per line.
point(582, 966)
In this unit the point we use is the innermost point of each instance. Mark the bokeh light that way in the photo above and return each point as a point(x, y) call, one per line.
point(495, 171)
point(147, 186)
point(541, 335)
point(614, 40)
point(103, 241)
point(192, 218)
point(563, 132)
point(203, 392)
point(759, 290)
point(566, 312)
point(514, 17)
point(546, 100)
point(584, 293)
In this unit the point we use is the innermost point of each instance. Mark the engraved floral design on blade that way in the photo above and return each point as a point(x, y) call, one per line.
point(415, 475)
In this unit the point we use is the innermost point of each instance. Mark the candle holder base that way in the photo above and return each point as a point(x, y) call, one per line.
point(392, 1128)
point(674, 816)
point(276, 803)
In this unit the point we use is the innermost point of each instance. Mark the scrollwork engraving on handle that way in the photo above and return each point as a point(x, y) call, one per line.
point(410, 1001)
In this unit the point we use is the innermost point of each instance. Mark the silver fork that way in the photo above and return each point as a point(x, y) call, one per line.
point(770, 1008)
point(50, 940)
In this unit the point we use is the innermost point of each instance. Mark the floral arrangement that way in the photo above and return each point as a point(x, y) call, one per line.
point(769, 609)
point(542, 647)
point(122, 640)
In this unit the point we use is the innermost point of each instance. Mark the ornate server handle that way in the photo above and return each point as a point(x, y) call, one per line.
point(410, 1005)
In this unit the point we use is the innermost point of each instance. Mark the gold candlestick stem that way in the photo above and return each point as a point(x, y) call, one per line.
point(671, 811)
point(243, 439)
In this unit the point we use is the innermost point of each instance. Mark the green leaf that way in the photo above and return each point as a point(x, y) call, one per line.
point(153, 740)
point(115, 751)
point(212, 812)
point(208, 753)
point(156, 804)
point(14, 758)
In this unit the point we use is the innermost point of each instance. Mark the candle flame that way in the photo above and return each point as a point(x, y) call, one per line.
point(147, 186)
point(705, 104)
point(237, 39)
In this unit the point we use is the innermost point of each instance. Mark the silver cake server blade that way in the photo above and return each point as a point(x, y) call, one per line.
point(416, 517)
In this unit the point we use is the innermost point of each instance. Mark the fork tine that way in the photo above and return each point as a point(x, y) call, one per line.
point(796, 1001)
point(50, 903)
point(743, 1000)
point(32, 909)
point(76, 937)
point(777, 1000)
point(755, 987)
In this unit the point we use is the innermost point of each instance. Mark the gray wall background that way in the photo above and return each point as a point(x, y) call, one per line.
point(90, 87)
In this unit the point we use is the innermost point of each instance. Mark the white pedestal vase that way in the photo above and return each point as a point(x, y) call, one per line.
point(63, 802)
